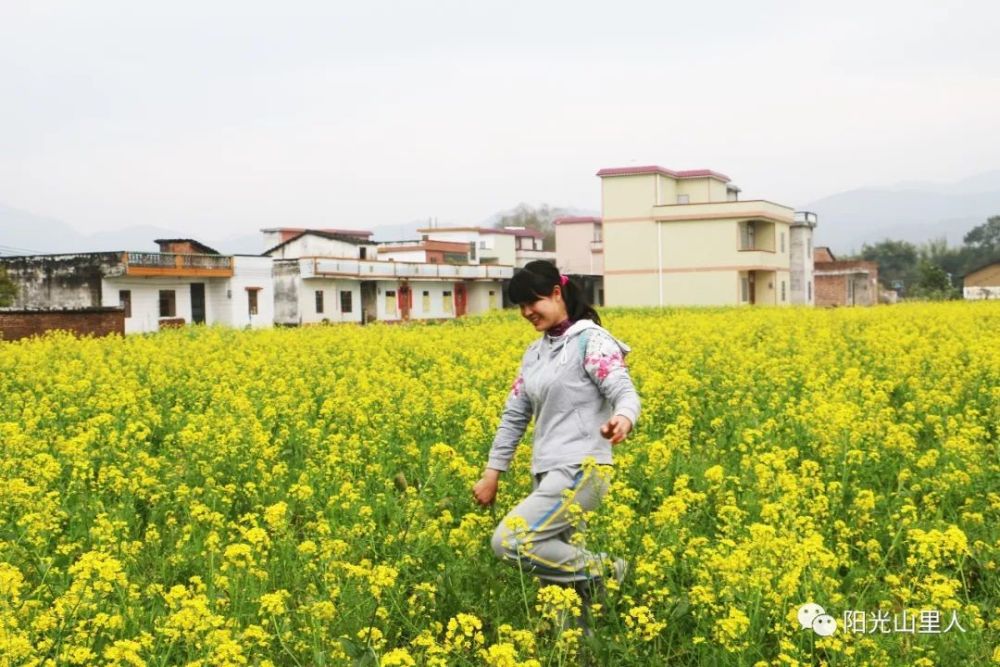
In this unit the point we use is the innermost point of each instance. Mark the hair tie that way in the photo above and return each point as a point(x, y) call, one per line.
point(563, 279)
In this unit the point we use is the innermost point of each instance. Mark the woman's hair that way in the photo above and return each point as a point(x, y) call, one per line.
point(539, 278)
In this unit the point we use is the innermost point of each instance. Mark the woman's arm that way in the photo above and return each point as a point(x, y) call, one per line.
point(513, 423)
point(605, 364)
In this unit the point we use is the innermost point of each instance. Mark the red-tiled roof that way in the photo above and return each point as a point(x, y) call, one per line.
point(655, 169)
point(576, 219)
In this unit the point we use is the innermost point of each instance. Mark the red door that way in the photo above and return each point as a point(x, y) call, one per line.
point(460, 299)
point(405, 301)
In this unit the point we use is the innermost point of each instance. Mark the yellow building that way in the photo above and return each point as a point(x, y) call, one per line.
point(685, 238)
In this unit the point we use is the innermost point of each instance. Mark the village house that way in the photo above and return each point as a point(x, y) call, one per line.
point(844, 282)
point(580, 253)
point(509, 246)
point(339, 276)
point(673, 238)
point(982, 283)
point(185, 282)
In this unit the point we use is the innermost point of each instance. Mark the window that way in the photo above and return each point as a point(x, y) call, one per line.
point(597, 233)
point(744, 288)
point(319, 301)
point(252, 300)
point(683, 199)
point(168, 303)
point(390, 302)
point(345, 301)
point(472, 250)
point(446, 303)
point(125, 299)
point(747, 235)
point(782, 241)
point(425, 302)
point(482, 244)
point(782, 290)
point(364, 253)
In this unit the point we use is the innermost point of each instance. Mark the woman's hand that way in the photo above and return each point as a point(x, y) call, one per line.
point(617, 429)
point(485, 490)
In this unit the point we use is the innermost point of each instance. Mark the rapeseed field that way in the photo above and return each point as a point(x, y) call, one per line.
point(207, 496)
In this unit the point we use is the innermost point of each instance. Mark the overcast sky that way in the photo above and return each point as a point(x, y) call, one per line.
point(241, 114)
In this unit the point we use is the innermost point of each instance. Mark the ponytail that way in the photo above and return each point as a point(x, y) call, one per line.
point(539, 278)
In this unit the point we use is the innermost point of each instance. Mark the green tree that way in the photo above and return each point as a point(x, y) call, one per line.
point(8, 290)
point(897, 262)
point(932, 282)
point(986, 236)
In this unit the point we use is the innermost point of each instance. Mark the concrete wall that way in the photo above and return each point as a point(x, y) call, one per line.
point(332, 300)
point(60, 281)
point(248, 271)
point(287, 285)
point(317, 246)
point(801, 265)
point(977, 293)
point(18, 324)
point(573, 249)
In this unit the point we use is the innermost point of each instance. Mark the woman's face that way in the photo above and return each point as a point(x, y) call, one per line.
point(546, 312)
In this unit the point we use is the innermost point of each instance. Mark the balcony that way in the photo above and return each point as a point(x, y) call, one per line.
point(176, 264)
point(728, 210)
point(322, 267)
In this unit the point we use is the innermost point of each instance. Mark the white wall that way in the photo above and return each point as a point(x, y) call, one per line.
point(317, 246)
point(248, 271)
point(331, 300)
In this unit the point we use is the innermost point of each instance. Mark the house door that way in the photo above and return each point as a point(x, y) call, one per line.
point(460, 299)
point(405, 301)
point(198, 303)
point(369, 302)
point(750, 280)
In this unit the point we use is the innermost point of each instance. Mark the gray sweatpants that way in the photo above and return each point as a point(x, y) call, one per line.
point(535, 535)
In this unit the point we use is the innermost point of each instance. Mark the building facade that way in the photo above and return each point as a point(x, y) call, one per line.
point(329, 276)
point(982, 283)
point(580, 253)
point(844, 282)
point(154, 289)
point(679, 238)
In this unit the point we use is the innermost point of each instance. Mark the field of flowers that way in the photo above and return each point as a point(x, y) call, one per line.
point(207, 496)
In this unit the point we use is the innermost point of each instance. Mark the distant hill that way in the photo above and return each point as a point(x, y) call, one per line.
point(913, 211)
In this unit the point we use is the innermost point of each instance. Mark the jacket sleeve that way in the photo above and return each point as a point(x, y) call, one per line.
point(516, 416)
point(605, 364)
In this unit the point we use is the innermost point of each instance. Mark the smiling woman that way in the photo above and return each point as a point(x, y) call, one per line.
point(574, 381)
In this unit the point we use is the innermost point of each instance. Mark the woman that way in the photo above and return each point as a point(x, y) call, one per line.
point(575, 382)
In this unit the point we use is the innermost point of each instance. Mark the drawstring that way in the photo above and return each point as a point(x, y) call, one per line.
point(562, 355)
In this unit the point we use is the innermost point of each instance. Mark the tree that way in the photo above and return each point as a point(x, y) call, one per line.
point(897, 262)
point(986, 236)
point(8, 290)
point(932, 282)
point(539, 219)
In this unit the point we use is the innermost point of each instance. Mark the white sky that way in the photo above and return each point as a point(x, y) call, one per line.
point(244, 114)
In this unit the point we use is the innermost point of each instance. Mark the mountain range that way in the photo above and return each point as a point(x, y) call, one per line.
point(911, 211)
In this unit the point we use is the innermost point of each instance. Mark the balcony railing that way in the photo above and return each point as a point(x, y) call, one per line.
point(359, 268)
point(177, 264)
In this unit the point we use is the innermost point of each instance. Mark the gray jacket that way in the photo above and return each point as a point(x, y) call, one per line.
point(572, 384)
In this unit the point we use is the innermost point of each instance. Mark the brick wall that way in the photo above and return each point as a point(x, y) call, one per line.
point(17, 324)
point(831, 290)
